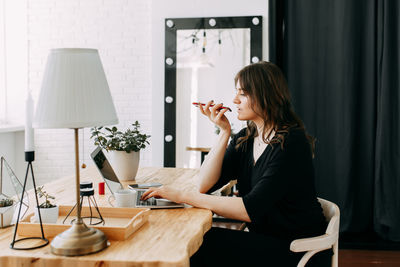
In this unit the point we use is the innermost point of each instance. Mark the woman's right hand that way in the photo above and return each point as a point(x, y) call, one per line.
point(216, 116)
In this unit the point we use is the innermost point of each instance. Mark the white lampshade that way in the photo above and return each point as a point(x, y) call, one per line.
point(74, 92)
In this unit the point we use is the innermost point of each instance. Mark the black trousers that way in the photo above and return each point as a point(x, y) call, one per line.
point(226, 247)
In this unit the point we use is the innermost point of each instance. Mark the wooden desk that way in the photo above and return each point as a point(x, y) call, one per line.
point(169, 238)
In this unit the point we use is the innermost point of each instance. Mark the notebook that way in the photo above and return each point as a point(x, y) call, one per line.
point(113, 183)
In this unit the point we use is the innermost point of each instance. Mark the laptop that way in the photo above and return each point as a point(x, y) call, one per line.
point(113, 183)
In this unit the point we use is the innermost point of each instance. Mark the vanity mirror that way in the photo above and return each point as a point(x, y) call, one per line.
point(202, 56)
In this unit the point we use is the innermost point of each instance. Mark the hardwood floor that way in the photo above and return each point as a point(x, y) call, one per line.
point(368, 258)
point(348, 257)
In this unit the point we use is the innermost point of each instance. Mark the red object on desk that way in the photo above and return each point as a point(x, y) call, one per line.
point(101, 188)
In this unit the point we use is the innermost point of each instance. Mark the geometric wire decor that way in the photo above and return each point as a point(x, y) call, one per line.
point(10, 180)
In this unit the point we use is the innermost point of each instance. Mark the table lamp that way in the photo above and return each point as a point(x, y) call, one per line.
point(75, 95)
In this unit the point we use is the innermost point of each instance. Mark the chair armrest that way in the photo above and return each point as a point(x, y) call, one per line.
point(318, 242)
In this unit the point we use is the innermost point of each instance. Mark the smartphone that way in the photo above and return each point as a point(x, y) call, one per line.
point(144, 186)
point(198, 103)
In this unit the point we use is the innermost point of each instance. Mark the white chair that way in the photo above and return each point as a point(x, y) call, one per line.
point(329, 240)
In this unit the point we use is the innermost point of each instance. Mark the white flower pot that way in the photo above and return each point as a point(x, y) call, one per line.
point(125, 164)
point(48, 215)
point(6, 215)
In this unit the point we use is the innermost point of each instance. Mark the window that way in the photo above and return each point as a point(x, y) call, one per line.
point(13, 60)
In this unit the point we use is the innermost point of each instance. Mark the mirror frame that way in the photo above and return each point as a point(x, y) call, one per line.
point(172, 25)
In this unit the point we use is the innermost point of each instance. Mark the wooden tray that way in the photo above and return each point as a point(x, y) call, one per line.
point(120, 223)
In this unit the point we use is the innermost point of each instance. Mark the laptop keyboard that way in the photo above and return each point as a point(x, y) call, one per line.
point(149, 202)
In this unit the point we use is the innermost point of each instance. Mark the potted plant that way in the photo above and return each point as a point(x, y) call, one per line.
point(48, 210)
point(7, 208)
point(124, 148)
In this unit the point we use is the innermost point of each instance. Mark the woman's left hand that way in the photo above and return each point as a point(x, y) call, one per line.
point(166, 192)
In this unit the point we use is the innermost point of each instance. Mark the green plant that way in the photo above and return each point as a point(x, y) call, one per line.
point(46, 204)
point(6, 202)
point(113, 139)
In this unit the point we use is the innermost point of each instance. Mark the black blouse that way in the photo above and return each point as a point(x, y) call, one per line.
point(278, 190)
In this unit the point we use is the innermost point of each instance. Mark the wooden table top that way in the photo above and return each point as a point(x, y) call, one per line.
point(201, 149)
point(169, 237)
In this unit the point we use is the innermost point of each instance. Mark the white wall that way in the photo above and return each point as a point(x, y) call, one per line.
point(162, 9)
point(120, 30)
point(129, 35)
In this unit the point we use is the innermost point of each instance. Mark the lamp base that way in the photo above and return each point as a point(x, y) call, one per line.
point(78, 240)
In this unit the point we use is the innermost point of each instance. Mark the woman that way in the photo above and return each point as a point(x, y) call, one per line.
point(272, 162)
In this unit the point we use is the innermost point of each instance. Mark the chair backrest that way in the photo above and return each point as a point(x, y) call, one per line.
point(332, 215)
point(316, 244)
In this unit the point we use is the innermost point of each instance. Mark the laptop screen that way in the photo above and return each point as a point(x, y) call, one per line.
point(106, 170)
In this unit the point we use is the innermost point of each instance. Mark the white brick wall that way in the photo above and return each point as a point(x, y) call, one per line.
point(121, 31)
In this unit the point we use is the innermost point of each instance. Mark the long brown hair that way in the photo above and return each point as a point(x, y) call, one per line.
point(267, 89)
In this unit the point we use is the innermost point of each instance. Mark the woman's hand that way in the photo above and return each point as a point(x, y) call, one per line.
point(216, 116)
point(166, 192)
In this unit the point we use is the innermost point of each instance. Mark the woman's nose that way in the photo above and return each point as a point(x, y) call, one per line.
point(236, 100)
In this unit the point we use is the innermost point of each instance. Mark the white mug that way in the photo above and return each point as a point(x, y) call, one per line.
point(125, 198)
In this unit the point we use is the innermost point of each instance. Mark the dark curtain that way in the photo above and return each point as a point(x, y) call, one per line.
point(387, 154)
point(341, 58)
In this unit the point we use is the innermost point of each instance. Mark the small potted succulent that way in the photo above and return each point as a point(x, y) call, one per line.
point(123, 147)
point(7, 209)
point(48, 210)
